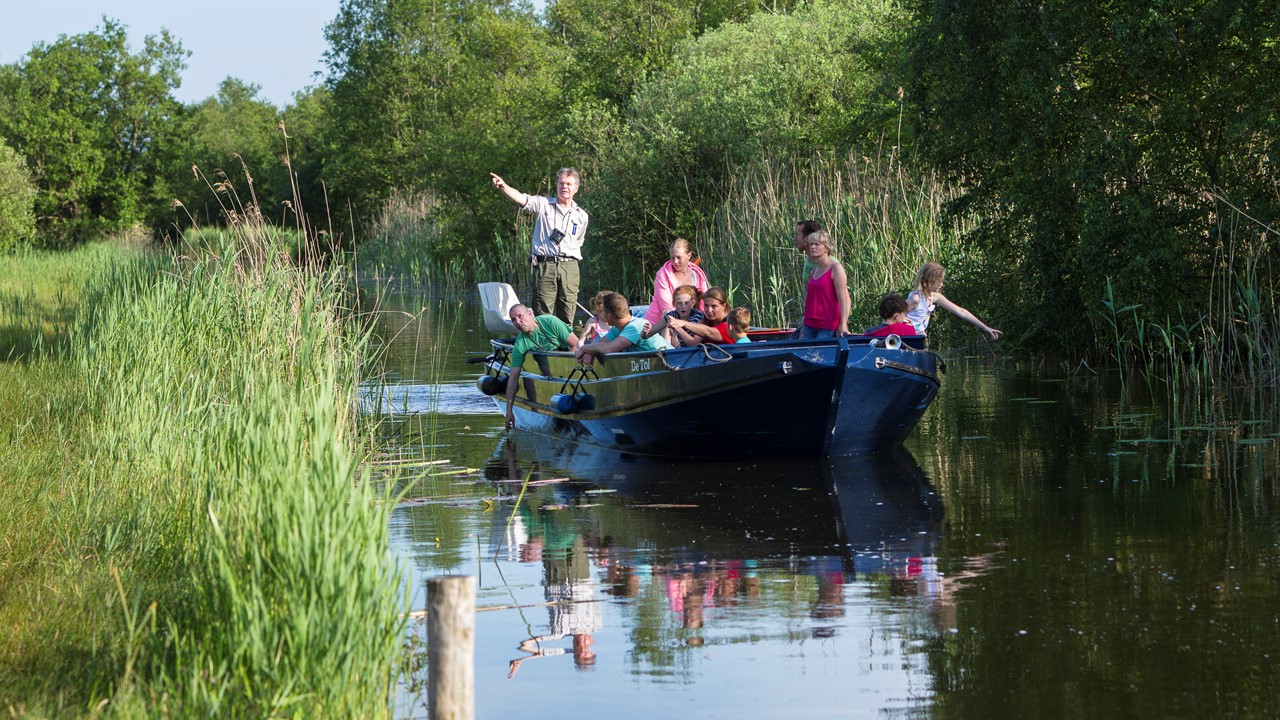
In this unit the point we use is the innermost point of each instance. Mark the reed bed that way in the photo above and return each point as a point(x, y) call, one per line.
point(1220, 355)
point(188, 493)
point(408, 241)
point(886, 223)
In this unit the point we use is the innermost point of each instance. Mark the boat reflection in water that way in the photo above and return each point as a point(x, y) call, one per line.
point(697, 552)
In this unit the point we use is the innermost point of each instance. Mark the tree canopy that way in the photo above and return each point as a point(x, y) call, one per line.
point(1100, 142)
point(89, 115)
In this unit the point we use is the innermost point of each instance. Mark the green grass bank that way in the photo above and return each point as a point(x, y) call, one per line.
point(185, 528)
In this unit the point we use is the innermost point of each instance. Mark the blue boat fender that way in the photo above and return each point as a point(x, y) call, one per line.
point(563, 403)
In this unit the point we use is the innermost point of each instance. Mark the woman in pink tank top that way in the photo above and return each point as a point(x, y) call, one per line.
point(826, 301)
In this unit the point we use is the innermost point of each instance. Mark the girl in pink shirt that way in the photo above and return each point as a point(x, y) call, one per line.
point(679, 270)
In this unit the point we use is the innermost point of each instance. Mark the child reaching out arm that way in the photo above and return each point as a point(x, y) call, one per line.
point(927, 296)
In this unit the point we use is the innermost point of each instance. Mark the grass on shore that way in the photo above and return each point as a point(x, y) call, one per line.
point(184, 527)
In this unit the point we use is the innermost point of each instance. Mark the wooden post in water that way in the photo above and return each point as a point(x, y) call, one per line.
point(451, 647)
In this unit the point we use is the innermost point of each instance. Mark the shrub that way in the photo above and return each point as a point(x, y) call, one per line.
point(17, 199)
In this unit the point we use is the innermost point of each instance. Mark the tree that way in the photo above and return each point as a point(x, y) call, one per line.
point(433, 94)
point(310, 143)
point(1097, 141)
point(88, 116)
point(17, 195)
point(225, 136)
point(773, 86)
point(616, 45)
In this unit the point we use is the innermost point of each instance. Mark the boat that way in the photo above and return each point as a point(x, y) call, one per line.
point(774, 397)
point(769, 399)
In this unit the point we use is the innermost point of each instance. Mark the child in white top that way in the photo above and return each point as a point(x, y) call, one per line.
point(927, 296)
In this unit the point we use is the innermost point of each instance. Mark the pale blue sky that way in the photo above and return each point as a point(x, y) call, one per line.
point(276, 44)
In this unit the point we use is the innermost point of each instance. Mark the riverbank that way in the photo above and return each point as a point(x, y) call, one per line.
point(185, 526)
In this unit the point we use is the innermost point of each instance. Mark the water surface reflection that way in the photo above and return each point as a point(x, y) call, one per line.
point(785, 573)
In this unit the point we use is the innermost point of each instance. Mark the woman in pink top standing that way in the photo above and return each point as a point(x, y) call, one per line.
point(826, 301)
point(677, 271)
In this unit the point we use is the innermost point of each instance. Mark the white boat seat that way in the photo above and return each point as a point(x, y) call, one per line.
point(497, 299)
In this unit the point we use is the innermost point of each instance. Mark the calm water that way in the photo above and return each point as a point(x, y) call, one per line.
point(1044, 547)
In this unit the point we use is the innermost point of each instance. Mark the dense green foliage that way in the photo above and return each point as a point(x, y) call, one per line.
point(1098, 141)
point(773, 87)
point(17, 198)
point(230, 138)
point(433, 94)
point(89, 116)
point(617, 45)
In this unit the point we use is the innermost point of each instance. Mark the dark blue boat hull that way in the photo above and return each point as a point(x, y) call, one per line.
point(762, 400)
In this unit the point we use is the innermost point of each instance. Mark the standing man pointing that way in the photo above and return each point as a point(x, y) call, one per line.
point(559, 229)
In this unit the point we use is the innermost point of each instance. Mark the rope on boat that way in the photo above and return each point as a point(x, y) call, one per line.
point(706, 353)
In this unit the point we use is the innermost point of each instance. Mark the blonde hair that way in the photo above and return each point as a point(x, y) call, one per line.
point(682, 244)
point(930, 272)
point(824, 237)
point(739, 319)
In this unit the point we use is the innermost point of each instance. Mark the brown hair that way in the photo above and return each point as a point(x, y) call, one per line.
point(597, 301)
point(740, 319)
point(718, 294)
point(808, 227)
point(891, 305)
point(616, 306)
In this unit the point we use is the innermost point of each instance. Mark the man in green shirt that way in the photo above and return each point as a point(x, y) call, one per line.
point(544, 332)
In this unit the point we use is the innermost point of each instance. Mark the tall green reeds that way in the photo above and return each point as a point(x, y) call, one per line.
point(886, 223)
point(406, 242)
point(211, 544)
point(1222, 351)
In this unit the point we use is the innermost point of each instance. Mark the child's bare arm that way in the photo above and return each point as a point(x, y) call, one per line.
point(965, 315)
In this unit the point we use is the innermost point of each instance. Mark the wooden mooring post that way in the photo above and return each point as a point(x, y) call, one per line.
point(451, 647)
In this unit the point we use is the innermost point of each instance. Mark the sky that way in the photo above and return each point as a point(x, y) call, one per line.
point(278, 45)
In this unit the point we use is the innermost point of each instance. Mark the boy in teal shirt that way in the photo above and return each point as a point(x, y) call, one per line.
point(626, 333)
